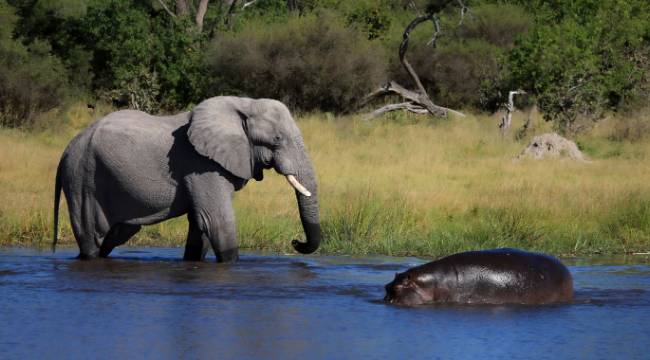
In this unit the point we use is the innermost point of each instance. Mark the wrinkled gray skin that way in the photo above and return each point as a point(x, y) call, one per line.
point(130, 169)
point(497, 276)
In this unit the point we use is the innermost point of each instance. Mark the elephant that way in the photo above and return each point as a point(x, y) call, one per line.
point(497, 276)
point(130, 169)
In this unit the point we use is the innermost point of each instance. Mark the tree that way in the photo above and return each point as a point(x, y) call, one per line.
point(183, 7)
point(32, 79)
point(417, 101)
point(585, 62)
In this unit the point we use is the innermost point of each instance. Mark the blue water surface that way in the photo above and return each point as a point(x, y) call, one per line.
point(146, 303)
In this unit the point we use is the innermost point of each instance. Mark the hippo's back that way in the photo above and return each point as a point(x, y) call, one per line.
point(509, 276)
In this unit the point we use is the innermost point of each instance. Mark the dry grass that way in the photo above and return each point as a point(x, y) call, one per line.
point(396, 186)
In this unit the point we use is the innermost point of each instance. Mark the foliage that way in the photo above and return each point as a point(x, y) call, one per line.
point(127, 52)
point(579, 59)
point(465, 68)
point(388, 188)
point(586, 63)
point(31, 79)
point(145, 59)
point(309, 62)
point(371, 18)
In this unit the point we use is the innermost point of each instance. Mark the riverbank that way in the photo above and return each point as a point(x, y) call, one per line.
point(398, 186)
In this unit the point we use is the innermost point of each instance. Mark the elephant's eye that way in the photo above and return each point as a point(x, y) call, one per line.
point(276, 139)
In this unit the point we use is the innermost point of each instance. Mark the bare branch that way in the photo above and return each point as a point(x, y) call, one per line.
point(402, 52)
point(182, 8)
point(162, 3)
point(391, 87)
point(506, 120)
point(436, 31)
point(463, 10)
point(417, 100)
point(200, 13)
point(414, 98)
point(247, 4)
point(415, 8)
point(392, 107)
point(231, 13)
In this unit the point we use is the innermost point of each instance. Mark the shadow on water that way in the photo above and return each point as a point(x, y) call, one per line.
point(149, 302)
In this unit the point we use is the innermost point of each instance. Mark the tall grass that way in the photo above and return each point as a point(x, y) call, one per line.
point(397, 186)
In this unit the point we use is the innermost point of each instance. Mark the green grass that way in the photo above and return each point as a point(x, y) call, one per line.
point(402, 185)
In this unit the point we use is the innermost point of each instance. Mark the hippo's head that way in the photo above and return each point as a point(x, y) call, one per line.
point(405, 290)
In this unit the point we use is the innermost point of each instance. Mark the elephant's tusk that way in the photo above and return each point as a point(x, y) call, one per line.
point(298, 186)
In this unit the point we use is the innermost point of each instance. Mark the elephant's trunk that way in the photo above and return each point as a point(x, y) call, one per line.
point(307, 206)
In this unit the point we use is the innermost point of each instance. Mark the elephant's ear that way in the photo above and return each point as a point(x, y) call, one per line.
point(217, 131)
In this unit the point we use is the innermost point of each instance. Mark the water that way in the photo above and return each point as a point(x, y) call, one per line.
point(145, 303)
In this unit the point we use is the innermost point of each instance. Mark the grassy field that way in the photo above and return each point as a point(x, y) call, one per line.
point(401, 185)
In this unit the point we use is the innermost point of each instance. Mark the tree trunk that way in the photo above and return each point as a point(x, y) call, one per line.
point(506, 120)
point(200, 14)
point(182, 8)
point(230, 14)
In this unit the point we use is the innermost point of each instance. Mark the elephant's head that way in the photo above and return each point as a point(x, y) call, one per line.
point(246, 136)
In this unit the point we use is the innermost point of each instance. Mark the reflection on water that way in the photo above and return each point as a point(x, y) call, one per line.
point(146, 302)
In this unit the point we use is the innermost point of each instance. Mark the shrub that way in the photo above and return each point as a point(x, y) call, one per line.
point(633, 128)
point(310, 62)
point(372, 18)
point(31, 79)
point(465, 69)
point(499, 25)
point(589, 62)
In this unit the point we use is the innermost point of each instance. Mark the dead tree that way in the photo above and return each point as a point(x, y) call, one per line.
point(417, 101)
point(506, 120)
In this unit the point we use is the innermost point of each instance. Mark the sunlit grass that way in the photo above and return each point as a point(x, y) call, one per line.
point(401, 185)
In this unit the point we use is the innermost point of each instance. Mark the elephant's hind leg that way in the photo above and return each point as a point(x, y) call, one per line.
point(90, 227)
point(118, 235)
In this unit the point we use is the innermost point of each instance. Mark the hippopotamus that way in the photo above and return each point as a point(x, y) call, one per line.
point(497, 276)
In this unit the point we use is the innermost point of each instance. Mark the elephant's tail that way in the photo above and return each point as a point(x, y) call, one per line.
point(57, 200)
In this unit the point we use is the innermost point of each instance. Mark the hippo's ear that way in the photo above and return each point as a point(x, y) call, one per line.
point(402, 280)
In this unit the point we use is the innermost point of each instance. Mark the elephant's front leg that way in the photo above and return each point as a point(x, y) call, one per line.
point(218, 228)
point(214, 217)
point(197, 245)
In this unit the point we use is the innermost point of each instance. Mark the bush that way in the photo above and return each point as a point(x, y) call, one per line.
point(589, 62)
point(32, 80)
point(465, 69)
point(499, 25)
point(124, 51)
point(310, 62)
point(633, 128)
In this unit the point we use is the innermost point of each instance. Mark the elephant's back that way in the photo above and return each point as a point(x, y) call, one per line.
point(126, 125)
point(135, 144)
point(138, 125)
point(127, 155)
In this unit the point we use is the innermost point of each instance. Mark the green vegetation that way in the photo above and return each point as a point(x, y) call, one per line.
point(312, 62)
point(400, 185)
point(397, 186)
point(578, 59)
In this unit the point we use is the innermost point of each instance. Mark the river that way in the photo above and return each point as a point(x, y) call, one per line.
point(146, 303)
